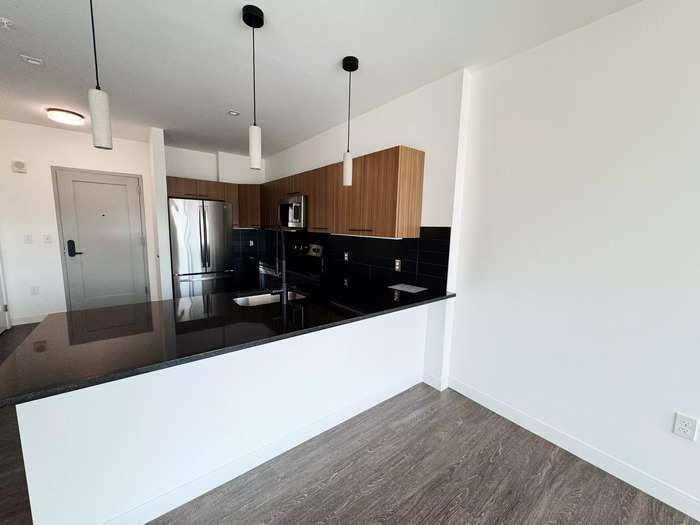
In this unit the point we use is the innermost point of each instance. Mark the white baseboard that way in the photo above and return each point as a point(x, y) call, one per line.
point(433, 381)
point(628, 473)
point(187, 492)
point(28, 319)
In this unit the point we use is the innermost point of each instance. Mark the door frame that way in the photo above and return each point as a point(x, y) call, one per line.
point(59, 221)
point(4, 300)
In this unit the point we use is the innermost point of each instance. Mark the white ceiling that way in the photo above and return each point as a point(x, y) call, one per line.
point(180, 65)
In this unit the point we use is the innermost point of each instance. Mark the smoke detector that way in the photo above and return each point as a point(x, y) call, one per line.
point(6, 23)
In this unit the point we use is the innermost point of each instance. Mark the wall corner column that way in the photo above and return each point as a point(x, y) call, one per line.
point(156, 141)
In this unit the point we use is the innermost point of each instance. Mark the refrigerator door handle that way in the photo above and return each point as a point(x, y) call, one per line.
point(202, 236)
point(207, 250)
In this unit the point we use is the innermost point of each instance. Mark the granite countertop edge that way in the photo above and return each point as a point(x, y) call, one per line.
point(123, 374)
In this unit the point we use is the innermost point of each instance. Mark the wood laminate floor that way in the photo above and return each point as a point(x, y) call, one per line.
point(426, 457)
point(14, 498)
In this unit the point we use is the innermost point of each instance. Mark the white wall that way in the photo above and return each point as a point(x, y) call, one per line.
point(236, 168)
point(426, 119)
point(180, 162)
point(222, 166)
point(27, 207)
point(579, 285)
point(141, 446)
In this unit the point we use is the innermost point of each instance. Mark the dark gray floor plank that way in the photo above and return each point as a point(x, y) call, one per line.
point(426, 457)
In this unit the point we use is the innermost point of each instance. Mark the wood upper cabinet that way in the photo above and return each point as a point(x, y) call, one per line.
point(318, 186)
point(211, 190)
point(249, 205)
point(196, 189)
point(272, 193)
point(385, 199)
point(181, 187)
point(231, 196)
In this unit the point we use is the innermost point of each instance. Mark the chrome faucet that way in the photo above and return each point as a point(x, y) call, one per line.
point(283, 292)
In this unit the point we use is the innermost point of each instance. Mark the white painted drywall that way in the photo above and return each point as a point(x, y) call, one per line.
point(426, 119)
point(579, 284)
point(138, 447)
point(236, 168)
point(181, 162)
point(158, 158)
point(27, 205)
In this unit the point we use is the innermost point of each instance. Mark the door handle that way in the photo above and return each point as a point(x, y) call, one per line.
point(71, 249)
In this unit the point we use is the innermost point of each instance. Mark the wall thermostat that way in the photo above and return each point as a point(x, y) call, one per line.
point(19, 166)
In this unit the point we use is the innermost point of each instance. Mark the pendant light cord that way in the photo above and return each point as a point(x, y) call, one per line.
point(349, 93)
point(255, 117)
point(94, 48)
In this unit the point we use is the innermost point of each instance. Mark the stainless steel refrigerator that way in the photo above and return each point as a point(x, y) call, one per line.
point(201, 246)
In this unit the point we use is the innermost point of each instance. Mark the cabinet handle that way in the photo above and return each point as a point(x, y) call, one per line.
point(293, 193)
point(359, 230)
point(319, 227)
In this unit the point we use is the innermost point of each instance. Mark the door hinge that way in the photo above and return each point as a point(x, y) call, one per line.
point(4, 308)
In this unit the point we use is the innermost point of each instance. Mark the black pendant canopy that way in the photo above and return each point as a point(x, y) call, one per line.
point(350, 64)
point(253, 16)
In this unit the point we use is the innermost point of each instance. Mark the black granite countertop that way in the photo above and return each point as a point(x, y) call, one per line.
point(73, 350)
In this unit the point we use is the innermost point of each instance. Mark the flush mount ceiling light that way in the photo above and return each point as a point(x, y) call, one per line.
point(65, 116)
point(254, 18)
point(32, 61)
point(233, 113)
point(6, 23)
point(350, 64)
point(99, 103)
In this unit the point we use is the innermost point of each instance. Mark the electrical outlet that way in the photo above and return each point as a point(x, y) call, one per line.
point(47, 238)
point(28, 238)
point(251, 243)
point(346, 256)
point(34, 290)
point(685, 426)
point(397, 265)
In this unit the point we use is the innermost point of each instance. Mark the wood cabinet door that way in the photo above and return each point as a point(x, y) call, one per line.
point(316, 184)
point(380, 175)
point(353, 213)
point(211, 190)
point(181, 187)
point(249, 205)
point(231, 194)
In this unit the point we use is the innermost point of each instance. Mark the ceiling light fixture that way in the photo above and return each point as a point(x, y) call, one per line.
point(99, 103)
point(6, 23)
point(254, 18)
point(233, 113)
point(32, 61)
point(65, 116)
point(350, 64)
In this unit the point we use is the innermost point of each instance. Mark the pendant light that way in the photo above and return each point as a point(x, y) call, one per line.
point(254, 18)
point(99, 104)
point(350, 64)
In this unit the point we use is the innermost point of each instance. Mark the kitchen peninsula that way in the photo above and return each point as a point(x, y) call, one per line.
point(206, 380)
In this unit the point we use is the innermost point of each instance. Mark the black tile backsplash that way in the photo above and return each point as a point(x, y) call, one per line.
point(423, 260)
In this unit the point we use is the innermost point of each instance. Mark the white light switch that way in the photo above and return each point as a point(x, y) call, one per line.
point(28, 238)
point(47, 238)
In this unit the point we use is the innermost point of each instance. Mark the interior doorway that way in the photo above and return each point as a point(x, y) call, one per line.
point(102, 232)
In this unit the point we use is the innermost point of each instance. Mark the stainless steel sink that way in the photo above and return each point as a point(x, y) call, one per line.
point(257, 300)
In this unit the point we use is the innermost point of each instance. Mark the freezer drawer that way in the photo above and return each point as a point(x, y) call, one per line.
point(200, 285)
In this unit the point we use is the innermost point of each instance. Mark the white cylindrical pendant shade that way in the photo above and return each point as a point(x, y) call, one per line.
point(255, 147)
point(100, 118)
point(347, 169)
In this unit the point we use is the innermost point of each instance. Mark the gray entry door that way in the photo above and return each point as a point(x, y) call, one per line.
point(103, 235)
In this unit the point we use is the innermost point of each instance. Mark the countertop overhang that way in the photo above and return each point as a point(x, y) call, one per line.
point(74, 350)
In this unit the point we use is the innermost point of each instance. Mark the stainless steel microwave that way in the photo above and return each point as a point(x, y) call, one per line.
point(292, 212)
